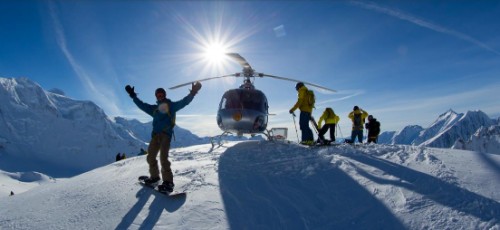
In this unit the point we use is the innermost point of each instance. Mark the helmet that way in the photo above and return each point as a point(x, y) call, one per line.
point(160, 90)
point(355, 108)
point(298, 85)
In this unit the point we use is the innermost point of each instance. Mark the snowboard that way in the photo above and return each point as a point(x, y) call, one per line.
point(175, 193)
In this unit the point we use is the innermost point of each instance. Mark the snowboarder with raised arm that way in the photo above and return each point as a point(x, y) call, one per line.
point(358, 117)
point(305, 108)
point(163, 113)
point(331, 120)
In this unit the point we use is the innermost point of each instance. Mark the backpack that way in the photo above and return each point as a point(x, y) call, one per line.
point(310, 98)
point(357, 121)
point(376, 127)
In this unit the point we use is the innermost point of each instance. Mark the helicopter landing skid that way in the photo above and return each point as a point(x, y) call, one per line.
point(218, 139)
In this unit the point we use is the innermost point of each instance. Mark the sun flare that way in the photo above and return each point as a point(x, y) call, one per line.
point(215, 53)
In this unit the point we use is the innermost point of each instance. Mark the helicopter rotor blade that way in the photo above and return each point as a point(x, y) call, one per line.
point(205, 79)
point(289, 79)
point(240, 60)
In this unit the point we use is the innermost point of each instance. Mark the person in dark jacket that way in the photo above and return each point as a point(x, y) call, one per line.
point(163, 113)
point(373, 127)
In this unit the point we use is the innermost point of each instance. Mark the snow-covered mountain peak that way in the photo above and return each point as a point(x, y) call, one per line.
point(39, 126)
point(449, 129)
point(443, 122)
point(407, 135)
point(24, 94)
point(446, 119)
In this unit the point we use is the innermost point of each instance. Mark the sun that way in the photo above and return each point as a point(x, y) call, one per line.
point(215, 53)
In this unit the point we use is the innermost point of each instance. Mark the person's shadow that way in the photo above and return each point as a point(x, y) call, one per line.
point(287, 189)
point(160, 203)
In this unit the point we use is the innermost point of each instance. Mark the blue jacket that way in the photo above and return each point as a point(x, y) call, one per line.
point(163, 122)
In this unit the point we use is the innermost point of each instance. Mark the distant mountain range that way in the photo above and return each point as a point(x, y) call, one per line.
point(36, 125)
point(472, 130)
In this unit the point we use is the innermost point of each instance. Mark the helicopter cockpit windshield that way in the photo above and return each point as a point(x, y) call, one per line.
point(244, 99)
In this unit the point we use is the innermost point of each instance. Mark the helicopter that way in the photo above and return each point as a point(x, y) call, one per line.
point(245, 110)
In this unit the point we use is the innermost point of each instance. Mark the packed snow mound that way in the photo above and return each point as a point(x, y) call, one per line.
point(20, 182)
point(268, 185)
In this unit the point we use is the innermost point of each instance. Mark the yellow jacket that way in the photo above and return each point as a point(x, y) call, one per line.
point(329, 117)
point(363, 113)
point(302, 101)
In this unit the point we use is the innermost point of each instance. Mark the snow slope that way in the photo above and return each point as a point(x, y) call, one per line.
point(43, 128)
point(266, 185)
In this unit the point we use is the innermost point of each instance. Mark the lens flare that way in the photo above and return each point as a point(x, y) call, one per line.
point(215, 53)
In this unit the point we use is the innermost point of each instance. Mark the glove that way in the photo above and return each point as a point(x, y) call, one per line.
point(291, 112)
point(130, 91)
point(195, 87)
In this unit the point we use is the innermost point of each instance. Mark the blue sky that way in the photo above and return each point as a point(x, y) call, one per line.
point(405, 62)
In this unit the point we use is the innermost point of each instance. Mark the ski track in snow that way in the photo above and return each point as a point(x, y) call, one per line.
point(268, 185)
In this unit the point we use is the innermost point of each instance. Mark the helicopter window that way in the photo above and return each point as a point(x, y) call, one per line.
point(231, 100)
point(244, 99)
point(253, 100)
point(223, 103)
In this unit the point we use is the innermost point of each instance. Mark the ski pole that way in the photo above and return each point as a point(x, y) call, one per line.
point(342, 135)
point(296, 132)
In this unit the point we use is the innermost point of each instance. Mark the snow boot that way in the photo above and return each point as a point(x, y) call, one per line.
point(151, 181)
point(166, 187)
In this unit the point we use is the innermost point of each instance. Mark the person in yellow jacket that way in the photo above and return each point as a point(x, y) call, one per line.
point(331, 120)
point(305, 114)
point(358, 117)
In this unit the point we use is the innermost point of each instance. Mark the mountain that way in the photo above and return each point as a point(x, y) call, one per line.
point(460, 127)
point(407, 135)
point(36, 125)
point(386, 137)
point(443, 122)
point(40, 126)
point(272, 185)
point(448, 128)
point(142, 131)
point(484, 140)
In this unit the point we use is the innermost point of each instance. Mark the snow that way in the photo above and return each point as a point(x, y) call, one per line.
point(57, 155)
point(451, 130)
point(272, 185)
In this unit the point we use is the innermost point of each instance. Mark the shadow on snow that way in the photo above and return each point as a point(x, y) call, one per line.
point(160, 203)
point(294, 190)
point(431, 187)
